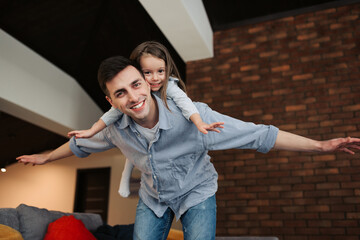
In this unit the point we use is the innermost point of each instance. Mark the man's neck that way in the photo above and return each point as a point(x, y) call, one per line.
point(153, 117)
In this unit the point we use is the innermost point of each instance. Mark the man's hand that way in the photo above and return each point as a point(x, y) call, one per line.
point(39, 159)
point(341, 145)
point(35, 159)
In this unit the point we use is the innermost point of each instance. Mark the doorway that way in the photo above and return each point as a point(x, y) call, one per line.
point(92, 191)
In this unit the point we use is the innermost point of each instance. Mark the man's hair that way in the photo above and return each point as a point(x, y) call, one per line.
point(110, 67)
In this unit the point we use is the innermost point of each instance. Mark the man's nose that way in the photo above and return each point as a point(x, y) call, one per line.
point(132, 96)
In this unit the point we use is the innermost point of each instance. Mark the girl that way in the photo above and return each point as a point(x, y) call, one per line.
point(161, 73)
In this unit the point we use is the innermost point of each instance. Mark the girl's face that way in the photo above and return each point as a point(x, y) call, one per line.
point(154, 71)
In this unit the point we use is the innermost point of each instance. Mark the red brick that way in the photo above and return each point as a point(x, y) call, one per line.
point(268, 54)
point(348, 18)
point(279, 35)
point(341, 192)
point(352, 108)
point(256, 29)
point(333, 54)
point(261, 39)
point(261, 94)
point(310, 58)
point(292, 108)
point(271, 223)
point(305, 25)
point(249, 46)
point(249, 67)
point(308, 36)
point(250, 78)
point(323, 158)
point(318, 208)
point(355, 215)
point(303, 77)
point(327, 185)
point(280, 68)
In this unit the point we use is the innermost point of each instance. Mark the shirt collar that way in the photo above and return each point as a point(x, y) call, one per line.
point(165, 122)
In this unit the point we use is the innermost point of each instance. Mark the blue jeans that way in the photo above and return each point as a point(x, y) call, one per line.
point(199, 222)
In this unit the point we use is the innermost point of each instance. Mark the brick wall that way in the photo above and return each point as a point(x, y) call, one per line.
point(300, 73)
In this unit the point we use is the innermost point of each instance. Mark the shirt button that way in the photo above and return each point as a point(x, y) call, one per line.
point(155, 177)
point(150, 156)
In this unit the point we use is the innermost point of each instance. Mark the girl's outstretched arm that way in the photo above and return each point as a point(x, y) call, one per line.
point(205, 127)
point(97, 127)
point(188, 108)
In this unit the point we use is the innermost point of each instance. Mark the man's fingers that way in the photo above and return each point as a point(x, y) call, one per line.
point(347, 151)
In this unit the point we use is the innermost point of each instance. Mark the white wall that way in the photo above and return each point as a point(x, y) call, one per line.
point(36, 91)
point(52, 185)
point(186, 26)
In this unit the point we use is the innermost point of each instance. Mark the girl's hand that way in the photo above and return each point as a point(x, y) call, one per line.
point(204, 127)
point(81, 133)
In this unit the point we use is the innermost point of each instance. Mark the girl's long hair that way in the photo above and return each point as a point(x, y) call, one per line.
point(158, 50)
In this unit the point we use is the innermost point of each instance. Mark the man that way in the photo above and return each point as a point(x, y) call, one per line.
point(177, 175)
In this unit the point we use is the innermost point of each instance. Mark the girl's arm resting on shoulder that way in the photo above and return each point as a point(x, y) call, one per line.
point(293, 142)
point(111, 116)
point(181, 99)
point(189, 110)
point(38, 159)
point(204, 127)
point(97, 127)
point(107, 118)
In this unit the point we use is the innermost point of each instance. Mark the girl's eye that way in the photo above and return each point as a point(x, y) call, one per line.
point(146, 73)
point(161, 71)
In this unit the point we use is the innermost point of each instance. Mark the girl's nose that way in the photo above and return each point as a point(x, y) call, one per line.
point(154, 76)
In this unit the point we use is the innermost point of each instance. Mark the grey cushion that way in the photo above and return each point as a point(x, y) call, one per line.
point(34, 221)
point(91, 220)
point(9, 217)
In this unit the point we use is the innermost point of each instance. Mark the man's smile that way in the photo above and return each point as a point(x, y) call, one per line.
point(139, 105)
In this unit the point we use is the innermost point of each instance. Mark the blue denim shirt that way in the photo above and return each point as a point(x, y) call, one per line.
point(176, 171)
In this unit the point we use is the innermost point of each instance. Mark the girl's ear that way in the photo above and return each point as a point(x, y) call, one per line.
point(109, 100)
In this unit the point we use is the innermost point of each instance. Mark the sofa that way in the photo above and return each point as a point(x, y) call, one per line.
point(32, 222)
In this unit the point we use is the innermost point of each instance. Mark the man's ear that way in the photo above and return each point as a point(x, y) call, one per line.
point(110, 101)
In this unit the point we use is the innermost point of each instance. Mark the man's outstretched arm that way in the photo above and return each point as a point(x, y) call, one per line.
point(293, 142)
point(38, 159)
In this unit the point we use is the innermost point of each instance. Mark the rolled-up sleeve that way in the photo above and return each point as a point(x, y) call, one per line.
point(82, 147)
point(237, 133)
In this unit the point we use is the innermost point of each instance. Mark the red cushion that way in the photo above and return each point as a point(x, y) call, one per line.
point(68, 228)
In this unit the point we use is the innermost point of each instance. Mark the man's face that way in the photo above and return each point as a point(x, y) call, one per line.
point(130, 93)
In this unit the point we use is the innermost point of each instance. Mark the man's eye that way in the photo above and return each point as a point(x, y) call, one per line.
point(118, 94)
point(137, 84)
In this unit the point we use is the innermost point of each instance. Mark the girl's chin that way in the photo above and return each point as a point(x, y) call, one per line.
point(155, 89)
